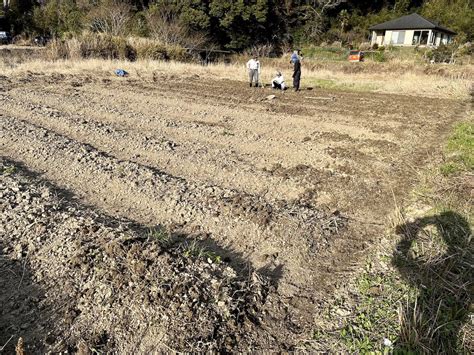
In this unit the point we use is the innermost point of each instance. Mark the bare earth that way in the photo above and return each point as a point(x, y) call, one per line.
point(295, 188)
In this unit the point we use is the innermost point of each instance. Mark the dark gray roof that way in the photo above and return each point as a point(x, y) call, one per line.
point(410, 22)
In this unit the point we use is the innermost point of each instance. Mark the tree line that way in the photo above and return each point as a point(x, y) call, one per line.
point(229, 24)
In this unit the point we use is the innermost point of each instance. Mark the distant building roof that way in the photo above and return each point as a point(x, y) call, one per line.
point(411, 22)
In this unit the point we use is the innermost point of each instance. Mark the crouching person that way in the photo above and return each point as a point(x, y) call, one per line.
point(278, 82)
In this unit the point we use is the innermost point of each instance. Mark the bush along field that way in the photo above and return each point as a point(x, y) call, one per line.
point(105, 46)
point(415, 293)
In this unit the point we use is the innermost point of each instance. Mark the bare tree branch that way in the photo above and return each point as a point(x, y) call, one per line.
point(165, 25)
point(111, 17)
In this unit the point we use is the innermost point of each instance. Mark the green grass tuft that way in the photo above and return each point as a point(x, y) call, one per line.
point(460, 150)
point(332, 84)
point(326, 54)
point(163, 237)
point(375, 316)
point(194, 250)
point(8, 170)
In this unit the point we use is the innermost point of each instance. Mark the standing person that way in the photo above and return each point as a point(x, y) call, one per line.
point(296, 74)
point(253, 66)
point(295, 56)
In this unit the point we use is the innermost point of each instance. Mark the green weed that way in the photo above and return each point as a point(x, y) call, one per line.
point(332, 84)
point(163, 237)
point(193, 249)
point(460, 149)
point(329, 54)
point(451, 168)
point(8, 170)
point(375, 317)
point(379, 57)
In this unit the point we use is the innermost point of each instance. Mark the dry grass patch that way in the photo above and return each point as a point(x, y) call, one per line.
point(413, 83)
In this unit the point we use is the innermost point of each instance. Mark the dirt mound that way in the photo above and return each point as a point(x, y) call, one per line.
point(111, 286)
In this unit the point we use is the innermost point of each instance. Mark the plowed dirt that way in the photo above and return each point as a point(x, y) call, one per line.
point(292, 190)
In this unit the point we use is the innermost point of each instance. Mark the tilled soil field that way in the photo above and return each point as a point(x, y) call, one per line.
point(188, 214)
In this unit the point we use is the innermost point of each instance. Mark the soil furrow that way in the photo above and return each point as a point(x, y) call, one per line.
point(233, 93)
point(243, 222)
point(291, 125)
point(170, 110)
point(155, 150)
point(265, 148)
point(200, 138)
point(286, 195)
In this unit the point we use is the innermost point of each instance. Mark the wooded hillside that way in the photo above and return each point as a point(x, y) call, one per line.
point(237, 24)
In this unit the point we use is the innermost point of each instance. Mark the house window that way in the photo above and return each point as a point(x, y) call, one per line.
point(398, 37)
point(444, 39)
point(420, 37)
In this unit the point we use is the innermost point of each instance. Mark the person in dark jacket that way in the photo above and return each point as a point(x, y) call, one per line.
point(296, 74)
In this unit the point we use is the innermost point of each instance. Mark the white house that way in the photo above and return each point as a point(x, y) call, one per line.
point(410, 30)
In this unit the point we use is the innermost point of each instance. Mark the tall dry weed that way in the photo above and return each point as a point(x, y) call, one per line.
point(105, 46)
point(74, 49)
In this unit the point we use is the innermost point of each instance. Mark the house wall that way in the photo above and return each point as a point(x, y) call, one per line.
point(388, 38)
point(409, 37)
point(384, 38)
point(437, 38)
point(377, 37)
point(408, 40)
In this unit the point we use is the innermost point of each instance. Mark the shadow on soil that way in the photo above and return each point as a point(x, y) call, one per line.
point(202, 241)
point(433, 322)
point(22, 313)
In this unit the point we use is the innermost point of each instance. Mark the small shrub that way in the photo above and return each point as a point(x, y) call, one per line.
point(148, 49)
point(57, 49)
point(379, 56)
point(442, 54)
point(74, 48)
point(122, 49)
point(364, 46)
point(467, 49)
point(177, 53)
point(99, 46)
point(262, 50)
point(154, 51)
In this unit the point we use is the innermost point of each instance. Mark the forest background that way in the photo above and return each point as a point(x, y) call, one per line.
point(231, 25)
